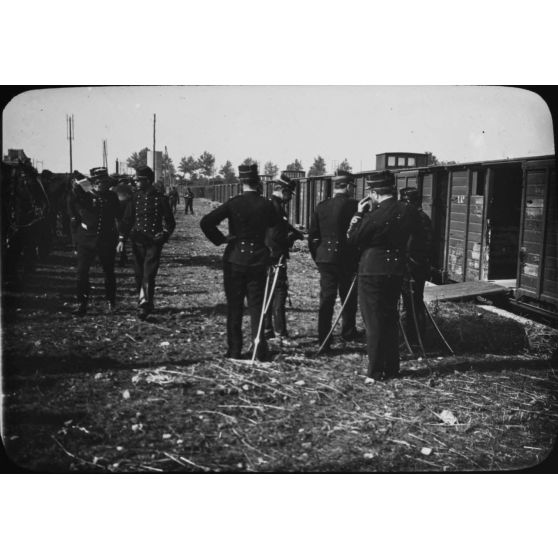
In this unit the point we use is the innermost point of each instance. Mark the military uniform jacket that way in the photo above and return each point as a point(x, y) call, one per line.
point(281, 237)
point(94, 216)
point(382, 236)
point(327, 236)
point(249, 217)
point(147, 215)
point(421, 245)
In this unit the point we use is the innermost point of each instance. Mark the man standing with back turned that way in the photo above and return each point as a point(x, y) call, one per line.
point(382, 235)
point(336, 260)
point(246, 256)
point(279, 240)
point(418, 270)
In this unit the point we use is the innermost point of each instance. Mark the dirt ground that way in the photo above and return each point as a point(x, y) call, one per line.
point(111, 393)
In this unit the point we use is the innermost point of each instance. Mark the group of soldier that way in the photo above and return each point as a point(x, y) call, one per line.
point(375, 243)
point(102, 220)
point(369, 252)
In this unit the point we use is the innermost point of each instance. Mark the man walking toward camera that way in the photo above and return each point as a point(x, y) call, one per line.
point(149, 222)
point(93, 210)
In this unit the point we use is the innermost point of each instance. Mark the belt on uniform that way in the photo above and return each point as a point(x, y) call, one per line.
point(331, 244)
point(250, 246)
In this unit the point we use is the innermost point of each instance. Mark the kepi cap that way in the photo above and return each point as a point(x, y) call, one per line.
point(410, 195)
point(98, 173)
point(248, 174)
point(342, 179)
point(286, 183)
point(382, 182)
point(145, 172)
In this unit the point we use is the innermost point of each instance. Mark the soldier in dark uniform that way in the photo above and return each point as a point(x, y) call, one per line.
point(173, 198)
point(279, 240)
point(381, 236)
point(336, 260)
point(93, 210)
point(246, 256)
point(188, 201)
point(149, 222)
point(420, 250)
point(124, 192)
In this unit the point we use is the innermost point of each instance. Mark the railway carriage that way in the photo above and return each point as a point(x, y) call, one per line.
point(492, 220)
point(537, 262)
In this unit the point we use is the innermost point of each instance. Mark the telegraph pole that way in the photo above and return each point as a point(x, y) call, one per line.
point(167, 171)
point(105, 156)
point(154, 121)
point(70, 136)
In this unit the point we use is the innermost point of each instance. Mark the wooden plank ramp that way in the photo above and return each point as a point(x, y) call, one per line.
point(462, 291)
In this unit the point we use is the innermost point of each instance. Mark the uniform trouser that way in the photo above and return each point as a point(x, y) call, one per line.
point(87, 250)
point(244, 282)
point(189, 205)
point(22, 246)
point(146, 265)
point(276, 315)
point(378, 296)
point(335, 278)
point(418, 303)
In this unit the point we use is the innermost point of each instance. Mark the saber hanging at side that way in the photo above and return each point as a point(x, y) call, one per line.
point(405, 338)
point(275, 277)
point(415, 317)
point(321, 348)
point(438, 329)
point(265, 305)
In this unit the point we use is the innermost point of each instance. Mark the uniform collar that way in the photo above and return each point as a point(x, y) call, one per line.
point(387, 201)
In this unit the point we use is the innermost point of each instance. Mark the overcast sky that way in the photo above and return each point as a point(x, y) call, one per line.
point(278, 123)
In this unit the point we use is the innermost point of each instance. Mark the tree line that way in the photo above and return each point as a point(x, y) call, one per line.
point(201, 169)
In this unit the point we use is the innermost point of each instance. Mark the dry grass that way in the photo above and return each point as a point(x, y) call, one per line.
point(109, 393)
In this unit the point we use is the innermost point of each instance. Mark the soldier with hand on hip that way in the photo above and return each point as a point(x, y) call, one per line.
point(381, 235)
point(149, 222)
point(94, 210)
point(336, 259)
point(246, 257)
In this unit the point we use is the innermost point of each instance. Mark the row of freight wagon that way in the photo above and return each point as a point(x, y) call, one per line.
point(491, 219)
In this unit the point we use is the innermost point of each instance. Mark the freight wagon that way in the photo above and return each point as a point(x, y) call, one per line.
point(492, 220)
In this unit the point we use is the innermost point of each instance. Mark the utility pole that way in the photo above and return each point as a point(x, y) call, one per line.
point(167, 173)
point(105, 157)
point(70, 136)
point(117, 169)
point(154, 121)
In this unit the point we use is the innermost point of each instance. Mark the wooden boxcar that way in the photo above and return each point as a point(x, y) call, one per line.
point(491, 219)
point(537, 276)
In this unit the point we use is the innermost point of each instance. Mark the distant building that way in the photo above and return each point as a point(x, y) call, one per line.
point(294, 173)
point(399, 160)
point(17, 155)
